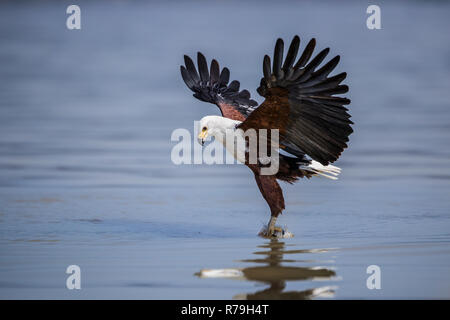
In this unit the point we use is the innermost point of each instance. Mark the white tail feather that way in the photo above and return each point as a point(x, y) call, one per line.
point(329, 171)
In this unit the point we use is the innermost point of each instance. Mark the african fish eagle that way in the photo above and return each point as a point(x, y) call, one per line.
point(300, 101)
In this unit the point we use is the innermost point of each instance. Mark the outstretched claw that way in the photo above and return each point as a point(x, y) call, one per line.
point(272, 231)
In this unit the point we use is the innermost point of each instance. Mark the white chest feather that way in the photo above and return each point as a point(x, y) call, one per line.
point(234, 142)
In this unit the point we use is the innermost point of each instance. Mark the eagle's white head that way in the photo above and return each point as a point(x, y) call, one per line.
point(216, 127)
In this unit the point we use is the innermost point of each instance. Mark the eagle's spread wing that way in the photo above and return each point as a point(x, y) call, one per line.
point(300, 102)
point(212, 86)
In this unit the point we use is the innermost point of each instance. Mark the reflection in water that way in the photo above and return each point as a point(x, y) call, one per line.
point(270, 270)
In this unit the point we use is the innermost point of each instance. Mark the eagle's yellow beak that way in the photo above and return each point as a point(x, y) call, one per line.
point(202, 135)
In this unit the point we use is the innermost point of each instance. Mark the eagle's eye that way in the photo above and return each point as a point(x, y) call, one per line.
point(204, 129)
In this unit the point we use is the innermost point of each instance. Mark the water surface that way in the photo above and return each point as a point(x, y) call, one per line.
point(86, 178)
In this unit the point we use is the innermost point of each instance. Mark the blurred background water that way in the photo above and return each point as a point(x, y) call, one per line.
point(86, 178)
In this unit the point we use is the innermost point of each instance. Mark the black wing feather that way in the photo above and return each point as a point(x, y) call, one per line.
point(318, 123)
point(306, 55)
point(266, 69)
point(292, 54)
point(224, 77)
point(212, 85)
point(191, 68)
point(214, 72)
point(187, 78)
point(202, 67)
point(278, 58)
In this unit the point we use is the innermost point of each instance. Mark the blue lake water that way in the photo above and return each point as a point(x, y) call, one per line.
point(86, 177)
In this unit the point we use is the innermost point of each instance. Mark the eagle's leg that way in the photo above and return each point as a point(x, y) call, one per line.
point(272, 193)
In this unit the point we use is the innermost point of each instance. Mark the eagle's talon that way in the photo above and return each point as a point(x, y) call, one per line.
point(271, 231)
